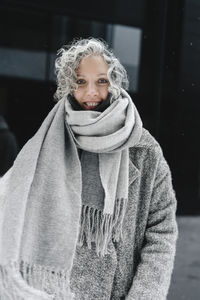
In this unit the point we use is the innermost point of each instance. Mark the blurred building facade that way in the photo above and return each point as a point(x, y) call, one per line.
point(158, 42)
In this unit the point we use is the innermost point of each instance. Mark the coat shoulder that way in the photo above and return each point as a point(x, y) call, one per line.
point(146, 149)
point(147, 140)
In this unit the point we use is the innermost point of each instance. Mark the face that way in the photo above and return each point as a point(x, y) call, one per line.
point(92, 82)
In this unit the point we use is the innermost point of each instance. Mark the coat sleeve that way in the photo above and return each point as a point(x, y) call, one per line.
point(153, 274)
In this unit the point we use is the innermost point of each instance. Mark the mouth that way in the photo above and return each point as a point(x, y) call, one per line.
point(89, 105)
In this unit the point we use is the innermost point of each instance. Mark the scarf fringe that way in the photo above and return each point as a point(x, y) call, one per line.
point(99, 228)
point(22, 281)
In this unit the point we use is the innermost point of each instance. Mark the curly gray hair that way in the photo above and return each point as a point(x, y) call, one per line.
point(69, 59)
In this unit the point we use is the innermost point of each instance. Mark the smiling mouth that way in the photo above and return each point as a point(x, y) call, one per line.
point(91, 105)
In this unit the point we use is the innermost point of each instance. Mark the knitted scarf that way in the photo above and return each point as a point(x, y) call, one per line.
point(40, 197)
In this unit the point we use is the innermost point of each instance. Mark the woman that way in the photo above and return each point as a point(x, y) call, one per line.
point(88, 209)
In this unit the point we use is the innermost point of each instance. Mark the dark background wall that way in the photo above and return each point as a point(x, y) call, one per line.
point(166, 75)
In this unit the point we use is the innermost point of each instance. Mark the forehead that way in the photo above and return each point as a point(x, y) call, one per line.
point(92, 63)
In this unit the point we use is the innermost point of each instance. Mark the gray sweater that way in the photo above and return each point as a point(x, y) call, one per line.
point(140, 266)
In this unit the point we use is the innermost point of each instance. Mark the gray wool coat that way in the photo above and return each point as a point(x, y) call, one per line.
point(140, 267)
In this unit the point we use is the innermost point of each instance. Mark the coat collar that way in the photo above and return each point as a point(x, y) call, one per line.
point(133, 172)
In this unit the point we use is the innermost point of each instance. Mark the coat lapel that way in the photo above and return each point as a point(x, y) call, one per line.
point(133, 172)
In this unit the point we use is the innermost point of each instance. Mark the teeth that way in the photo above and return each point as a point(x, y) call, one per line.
point(92, 104)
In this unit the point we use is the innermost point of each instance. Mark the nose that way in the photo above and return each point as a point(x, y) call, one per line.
point(92, 90)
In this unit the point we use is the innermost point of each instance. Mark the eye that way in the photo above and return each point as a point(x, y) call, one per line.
point(103, 81)
point(80, 81)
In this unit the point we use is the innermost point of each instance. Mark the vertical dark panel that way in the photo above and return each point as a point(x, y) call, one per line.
point(180, 109)
point(152, 63)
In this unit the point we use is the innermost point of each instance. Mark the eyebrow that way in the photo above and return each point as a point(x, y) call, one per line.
point(100, 74)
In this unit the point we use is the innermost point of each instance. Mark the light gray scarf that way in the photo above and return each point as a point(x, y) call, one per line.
point(40, 197)
point(109, 134)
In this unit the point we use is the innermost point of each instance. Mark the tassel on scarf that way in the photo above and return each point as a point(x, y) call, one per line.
point(22, 281)
point(99, 228)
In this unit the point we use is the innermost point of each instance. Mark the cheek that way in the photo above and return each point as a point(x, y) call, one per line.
point(104, 93)
point(78, 95)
